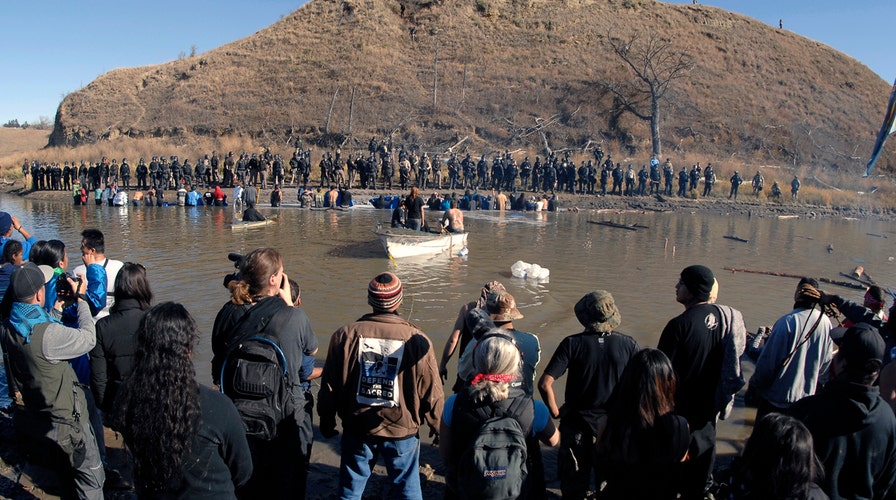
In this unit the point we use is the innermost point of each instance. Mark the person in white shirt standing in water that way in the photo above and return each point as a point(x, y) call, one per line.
point(94, 243)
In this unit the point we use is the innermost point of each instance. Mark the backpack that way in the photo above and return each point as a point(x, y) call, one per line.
point(255, 374)
point(494, 465)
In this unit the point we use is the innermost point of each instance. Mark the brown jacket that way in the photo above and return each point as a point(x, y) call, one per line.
point(417, 379)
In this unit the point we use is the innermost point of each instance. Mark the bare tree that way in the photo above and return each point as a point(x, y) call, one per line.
point(654, 66)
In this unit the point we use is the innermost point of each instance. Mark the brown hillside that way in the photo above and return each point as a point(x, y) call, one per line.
point(16, 141)
point(757, 93)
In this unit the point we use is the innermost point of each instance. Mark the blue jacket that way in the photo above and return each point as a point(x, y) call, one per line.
point(194, 198)
point(96, 300)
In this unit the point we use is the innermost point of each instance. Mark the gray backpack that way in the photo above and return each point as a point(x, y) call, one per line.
point(494, 465)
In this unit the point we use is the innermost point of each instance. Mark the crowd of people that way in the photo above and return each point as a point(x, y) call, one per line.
point(377, 169)
point(92, 349)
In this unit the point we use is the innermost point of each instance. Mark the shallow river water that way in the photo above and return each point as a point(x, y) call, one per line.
point(334, 254)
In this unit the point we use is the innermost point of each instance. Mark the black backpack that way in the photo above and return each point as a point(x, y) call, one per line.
point(494, 466)
point(255, 374)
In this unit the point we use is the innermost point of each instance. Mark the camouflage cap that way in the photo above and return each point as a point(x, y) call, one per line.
point(501, 306)
point(597, 312)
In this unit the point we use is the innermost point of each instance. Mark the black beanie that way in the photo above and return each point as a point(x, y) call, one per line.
point(698, 280)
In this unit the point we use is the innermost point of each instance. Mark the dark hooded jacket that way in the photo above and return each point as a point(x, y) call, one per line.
point(112, 359)
point(854, 432)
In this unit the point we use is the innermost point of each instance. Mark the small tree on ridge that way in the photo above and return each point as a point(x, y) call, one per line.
point(654, 67)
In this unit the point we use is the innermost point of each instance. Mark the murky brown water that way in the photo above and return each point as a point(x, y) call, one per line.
point(333, 255)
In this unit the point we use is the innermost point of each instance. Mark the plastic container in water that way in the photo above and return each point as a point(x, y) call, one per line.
point(524, 270)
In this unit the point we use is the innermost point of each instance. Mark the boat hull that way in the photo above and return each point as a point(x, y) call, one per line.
point(405, 243)
point(238, 224)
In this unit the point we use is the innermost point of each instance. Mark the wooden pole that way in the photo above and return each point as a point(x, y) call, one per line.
point(435, 80)
point(463, 85)
point(330, 112)
point(351, 111)
point(845, 284)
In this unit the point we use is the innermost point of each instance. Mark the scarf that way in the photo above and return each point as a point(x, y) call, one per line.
point(24, 317)
point(492, 377)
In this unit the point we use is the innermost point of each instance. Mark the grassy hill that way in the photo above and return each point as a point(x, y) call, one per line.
point(21, 141)
point(498, 74)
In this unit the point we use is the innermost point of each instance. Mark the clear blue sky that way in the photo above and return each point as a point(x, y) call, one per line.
point(53, 47)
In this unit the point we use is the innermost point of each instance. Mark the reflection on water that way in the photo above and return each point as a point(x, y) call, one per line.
point(333, 255)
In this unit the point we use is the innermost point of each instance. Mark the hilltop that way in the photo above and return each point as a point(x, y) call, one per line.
point(496, 74)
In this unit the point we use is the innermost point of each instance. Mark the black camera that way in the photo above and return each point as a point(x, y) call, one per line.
point(237, 260)
point(64, 288)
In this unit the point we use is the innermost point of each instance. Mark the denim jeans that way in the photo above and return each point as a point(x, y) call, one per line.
point(360, 454)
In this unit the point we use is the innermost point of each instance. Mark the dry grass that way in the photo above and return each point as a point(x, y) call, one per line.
point(758, 95)
point(18, 141)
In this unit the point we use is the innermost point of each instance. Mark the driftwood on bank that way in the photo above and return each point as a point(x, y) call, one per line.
point(845, 284)
point(859, 274)
point(633, 227)
point(858, 280)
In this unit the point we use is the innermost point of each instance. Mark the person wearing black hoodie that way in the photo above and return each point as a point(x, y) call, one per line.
point(854, 430)
point(112, 358)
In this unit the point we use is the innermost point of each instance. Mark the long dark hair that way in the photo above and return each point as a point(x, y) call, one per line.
point(779, 459)
point(131, 283)
point(158, 408)
point(645, 392)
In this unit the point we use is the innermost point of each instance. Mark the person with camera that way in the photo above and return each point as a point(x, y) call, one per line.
point(261, 303)
point(60, 295)
point(797, 353)
point(51, 421)
point(61, 303)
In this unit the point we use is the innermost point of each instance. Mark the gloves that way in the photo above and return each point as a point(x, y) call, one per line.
point(328, 427)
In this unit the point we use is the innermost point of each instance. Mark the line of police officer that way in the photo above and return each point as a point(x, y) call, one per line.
point(377, 170)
